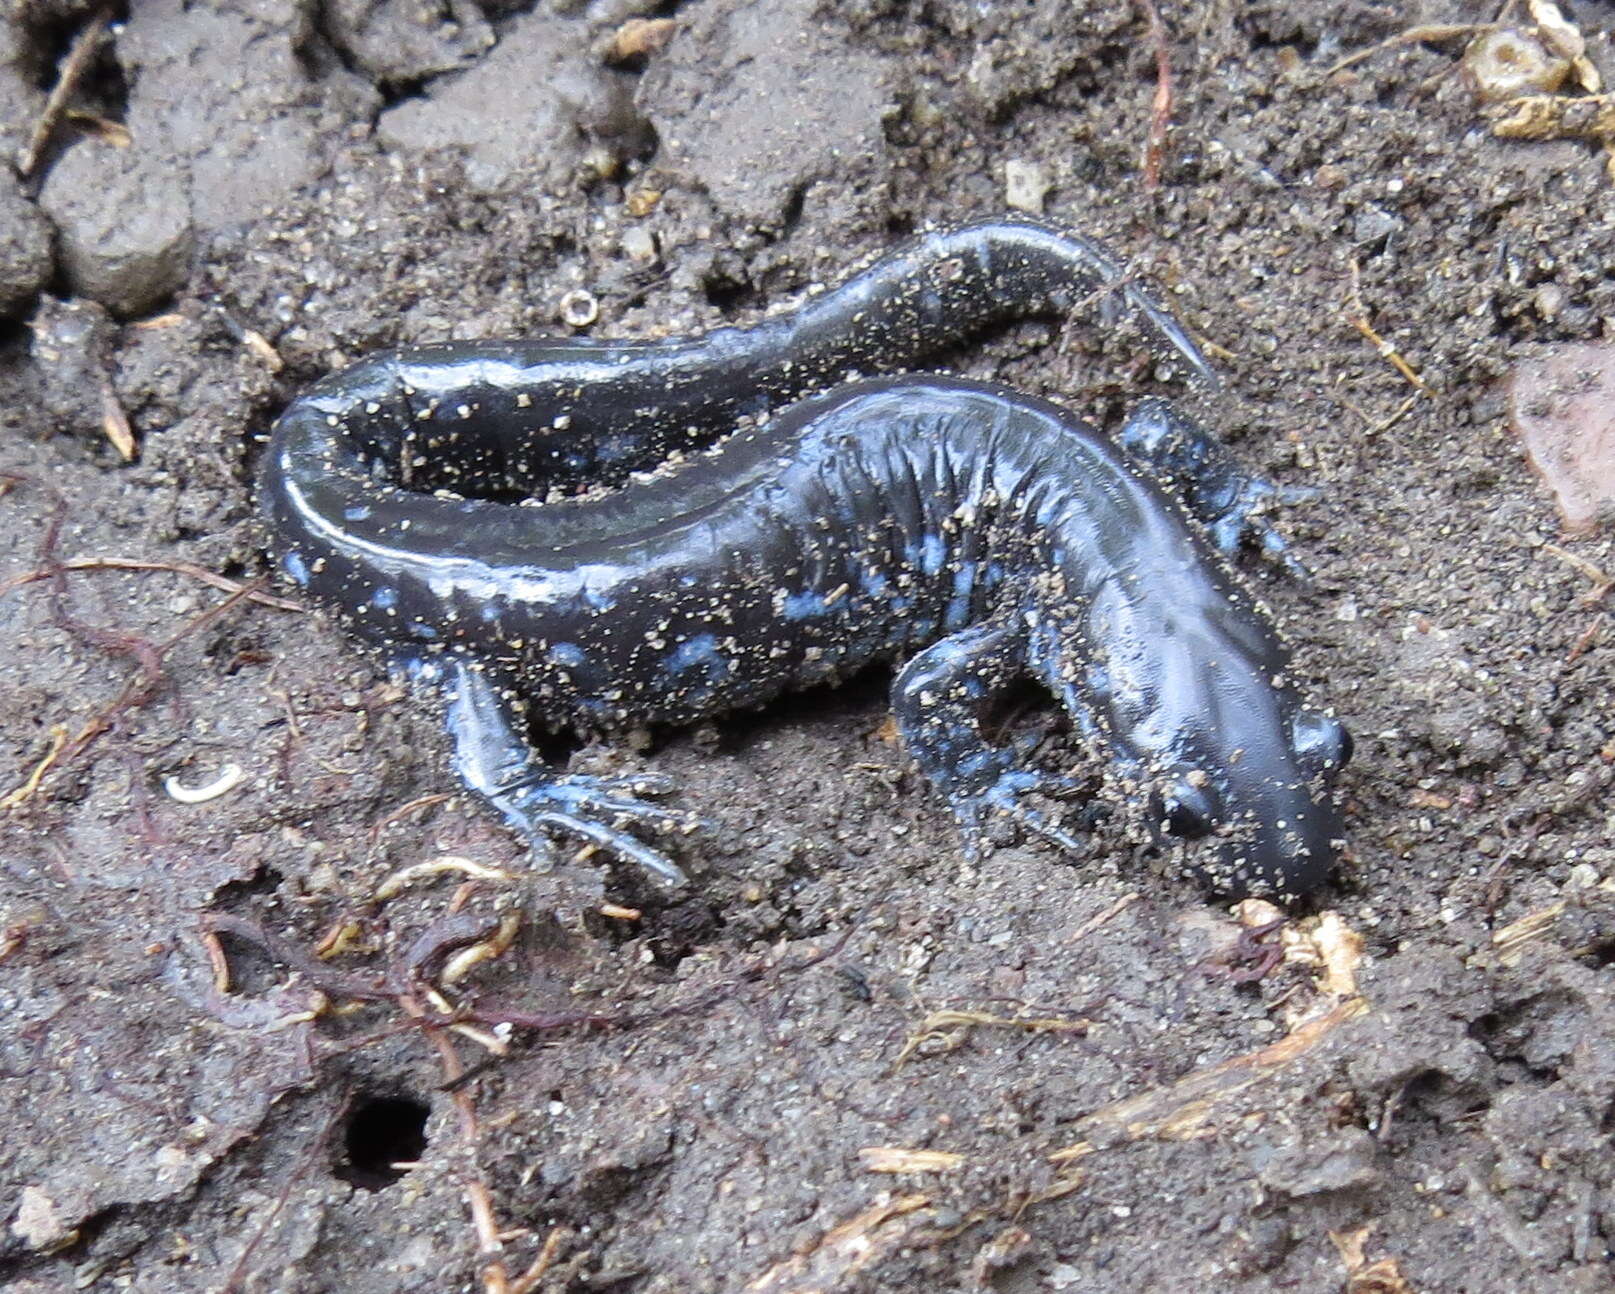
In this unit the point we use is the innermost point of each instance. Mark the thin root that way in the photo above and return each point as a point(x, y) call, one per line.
point(1161, 106)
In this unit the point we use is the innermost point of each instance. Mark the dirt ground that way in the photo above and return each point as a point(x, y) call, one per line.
point(853, 1060)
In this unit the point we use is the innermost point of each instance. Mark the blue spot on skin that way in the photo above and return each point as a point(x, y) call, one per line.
point(613, 449)
point(874, 584)
point(385, 599)
point(567, 654)
point(926, 556)
point(422, 630)
point(294, 565)
point(420, 669)
point(975, 763)
point(700, 652)
point(959, 605)
point(358, 513)
point(799, 606)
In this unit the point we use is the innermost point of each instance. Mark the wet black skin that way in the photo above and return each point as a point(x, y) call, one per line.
point(970, 533)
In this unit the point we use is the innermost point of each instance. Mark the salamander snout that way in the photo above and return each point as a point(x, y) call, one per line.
point(1286, 848)
point(1263, 822)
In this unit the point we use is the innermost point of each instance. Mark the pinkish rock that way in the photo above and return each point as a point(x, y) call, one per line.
point(1563, 409)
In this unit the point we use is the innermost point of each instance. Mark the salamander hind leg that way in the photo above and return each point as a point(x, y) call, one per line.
point(493, 757)
point(939, 699)
point(1231, 502)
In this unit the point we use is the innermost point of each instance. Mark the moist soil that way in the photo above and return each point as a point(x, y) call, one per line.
point(853, 1058)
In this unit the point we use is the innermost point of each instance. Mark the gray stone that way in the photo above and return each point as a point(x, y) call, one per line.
point(755, 103)
point(547, 83)
point(123, 219)
point(70, 341)
point(20, 98)
point(25, 259)
point(230, 91)
point(1341, 1161)
point(403, 40)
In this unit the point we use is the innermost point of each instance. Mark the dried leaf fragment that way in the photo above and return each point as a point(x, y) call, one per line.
point(900, 1159)
point(1546, 116)
point(1362, 1276)
point(640, 36)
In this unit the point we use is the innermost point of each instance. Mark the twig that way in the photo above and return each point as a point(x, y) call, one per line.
point(211, 578)
point(1586, 639)
point(939, 1023)
point(1602, 580)
point(1412, 36)
point(26, 789)
point(1093, 923)
point(1182, 1109)
point(74, 67)
point(417, 805)
point(1358, 314)
point(1161, 107)
point(529, 1279)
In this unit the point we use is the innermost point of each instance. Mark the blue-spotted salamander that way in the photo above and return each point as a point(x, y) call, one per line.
point(973, 534)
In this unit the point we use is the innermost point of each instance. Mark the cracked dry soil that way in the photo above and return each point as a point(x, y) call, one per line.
point(1115, 1082)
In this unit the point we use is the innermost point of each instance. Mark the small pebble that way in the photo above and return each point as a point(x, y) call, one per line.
point(1025, 186)
point(639, 243)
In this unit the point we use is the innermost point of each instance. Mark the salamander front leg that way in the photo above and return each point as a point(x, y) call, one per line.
point(939, 699)
point(493, 757)
point(1227, 499)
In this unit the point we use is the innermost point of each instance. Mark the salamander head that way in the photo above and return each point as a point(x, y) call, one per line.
point(1262, 819)
point(1231, 765)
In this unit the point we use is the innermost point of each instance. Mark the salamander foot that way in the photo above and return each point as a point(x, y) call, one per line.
point(1232, 503)
point(495, 759)
point(975, 810)
point(599, 810)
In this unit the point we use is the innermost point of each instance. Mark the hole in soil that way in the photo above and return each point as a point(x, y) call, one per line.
point(1602, 954)
point(680, 929)
point(729, 297)
point(382, 1133)
point(555, 748)
point(1024, 704)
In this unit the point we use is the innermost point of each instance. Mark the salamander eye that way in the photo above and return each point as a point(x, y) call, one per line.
point(1184, 811)
point(1320, 741)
